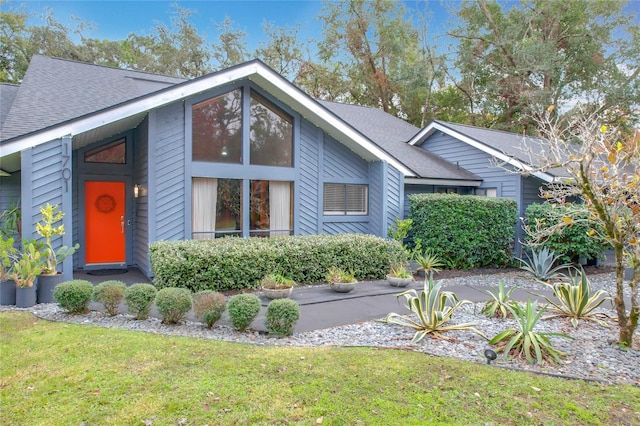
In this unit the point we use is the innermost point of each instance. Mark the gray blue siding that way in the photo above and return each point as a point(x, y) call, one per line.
point(141, 212)
point(309, 165)
point(395, 196)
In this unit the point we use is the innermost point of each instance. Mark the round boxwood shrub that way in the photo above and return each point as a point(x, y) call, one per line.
point(74, 296)
point(208, 306)
point(173, 304)
point(139, 298)
point(110, 294)
point(281, 316)
point(243, 309)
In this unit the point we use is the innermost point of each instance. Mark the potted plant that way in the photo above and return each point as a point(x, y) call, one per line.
point(7, 285)
point(276, 286)
point(51, 277)
point(340, 280)
point(26, 268)
point(399, 275)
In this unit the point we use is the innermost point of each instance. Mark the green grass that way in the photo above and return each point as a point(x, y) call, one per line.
point(67, 374)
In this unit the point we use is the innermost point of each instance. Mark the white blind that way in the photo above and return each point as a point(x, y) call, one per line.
point(357, 199)
point(345, 199)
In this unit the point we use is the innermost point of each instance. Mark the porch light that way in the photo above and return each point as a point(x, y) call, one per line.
point(136, 191)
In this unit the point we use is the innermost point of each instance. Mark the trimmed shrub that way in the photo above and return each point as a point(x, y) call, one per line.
point(74, 296)
point(139, 298)
point(574, 240)
point(110, 294)
point(465, 231)
point(240, 263)
point(208, 306)
point(281, 317)
point(173, 304)
point(243, 309)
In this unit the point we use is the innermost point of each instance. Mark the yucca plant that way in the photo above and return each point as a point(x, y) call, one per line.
point(432, 312)
point(501, 298)
point(576, 301)
point(524, 341)
point(429, 262)
point(541, 264)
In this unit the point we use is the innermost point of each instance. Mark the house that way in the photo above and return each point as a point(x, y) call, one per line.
point(134, 158)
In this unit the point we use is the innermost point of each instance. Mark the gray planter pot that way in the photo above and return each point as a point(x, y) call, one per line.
point(277, 293)
point(343, 287)
point(46, 285)
point(26, 296)
point(399, 282)
point(7, 292)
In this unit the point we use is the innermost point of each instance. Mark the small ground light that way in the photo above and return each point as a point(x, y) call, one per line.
point(490, 355)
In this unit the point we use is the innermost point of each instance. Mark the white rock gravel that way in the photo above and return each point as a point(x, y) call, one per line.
point(591, 354)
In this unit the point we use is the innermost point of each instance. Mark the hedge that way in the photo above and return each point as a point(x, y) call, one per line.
point(464, 230)
point(574, 241)
point(239, 263)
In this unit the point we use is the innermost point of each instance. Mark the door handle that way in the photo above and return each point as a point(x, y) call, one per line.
point(122, 223)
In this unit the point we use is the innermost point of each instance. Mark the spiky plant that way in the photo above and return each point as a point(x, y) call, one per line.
point(542, 265)
point(501, 298)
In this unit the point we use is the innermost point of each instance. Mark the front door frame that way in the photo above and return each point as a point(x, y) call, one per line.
point(129, 221)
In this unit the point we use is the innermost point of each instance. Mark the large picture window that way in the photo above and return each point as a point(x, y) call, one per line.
point(345, 199)
point(216, 129)
point(216, 208)
point(271, 134)
point(271, 213)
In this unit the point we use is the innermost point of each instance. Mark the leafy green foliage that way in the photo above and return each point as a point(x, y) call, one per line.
point(276, 281)
point(500, 300)
point(7, 252)
point(431, 311)
point(542, 264)
point(110, 294)
point(281, 316)
point(580, 238)
point(240, 263)
point(139, 298)
point(27, 265)
point(429, 262)
point(338, 275)
point(46, 229)
point(208, 306)
point(74, 296)
point(243, 309)
point(534, 346)
point(465, 231)
point(173, 304)
point(575, 300)
point(400, 270)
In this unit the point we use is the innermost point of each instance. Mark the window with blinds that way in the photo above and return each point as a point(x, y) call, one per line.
point(345, 199)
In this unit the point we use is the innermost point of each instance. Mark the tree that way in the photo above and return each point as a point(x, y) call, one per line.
point(517, 59)
point(603, 165)
point(282, 51)
point(231, 48)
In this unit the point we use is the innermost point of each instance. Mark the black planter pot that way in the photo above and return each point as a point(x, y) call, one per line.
point(26, 296)
point(46, 285)
point(7, 292)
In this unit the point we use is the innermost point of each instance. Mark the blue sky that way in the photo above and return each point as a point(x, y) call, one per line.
point(116, 19)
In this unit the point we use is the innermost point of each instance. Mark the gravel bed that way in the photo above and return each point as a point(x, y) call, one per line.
point(591, 354)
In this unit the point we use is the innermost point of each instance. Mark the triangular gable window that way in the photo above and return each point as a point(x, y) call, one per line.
point(112, 153)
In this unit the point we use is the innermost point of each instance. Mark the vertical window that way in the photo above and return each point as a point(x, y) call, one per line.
point(216, 208)
point(112, 153)
point(271, 134)
point(345, 199)
point(487, 192)
point(216, 129)
point(271, 208)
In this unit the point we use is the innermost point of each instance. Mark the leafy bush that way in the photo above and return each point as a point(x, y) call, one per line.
point(281, 317)
point(243, 309)
point(74, 296)
point(240, 263)
point(578, 239)
point(430, 311)
point(524, 341)
point(543, 264)
point(465, 231)
point(173, 304)
point(208, 306)
point(139, 298)
point(110, 294)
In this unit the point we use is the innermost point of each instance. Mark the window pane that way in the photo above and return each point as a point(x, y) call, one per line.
point(217, 129)
point(271, 208)
point(113, 153)
point(216, 208)
point(357, 199)
point(271, 134)
point(334, 198)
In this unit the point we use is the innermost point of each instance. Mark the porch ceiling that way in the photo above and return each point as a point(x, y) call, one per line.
point(99, 133)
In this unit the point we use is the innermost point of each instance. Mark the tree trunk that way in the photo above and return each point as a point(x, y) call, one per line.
point(625, 323)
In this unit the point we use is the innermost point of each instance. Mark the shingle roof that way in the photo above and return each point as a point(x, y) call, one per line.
point(392, 134)
point(7, 95)
point(86, 88)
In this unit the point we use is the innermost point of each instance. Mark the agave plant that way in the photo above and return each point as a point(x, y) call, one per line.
point(524, 341)
point(576, 301)
point(501, 298)
point(429, 262)
point(541, 264)
point(432, 312)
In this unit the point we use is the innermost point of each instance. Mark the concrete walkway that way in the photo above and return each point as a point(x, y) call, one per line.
point(321, 307)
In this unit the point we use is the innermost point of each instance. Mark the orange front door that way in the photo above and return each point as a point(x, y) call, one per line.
point(105, 224)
